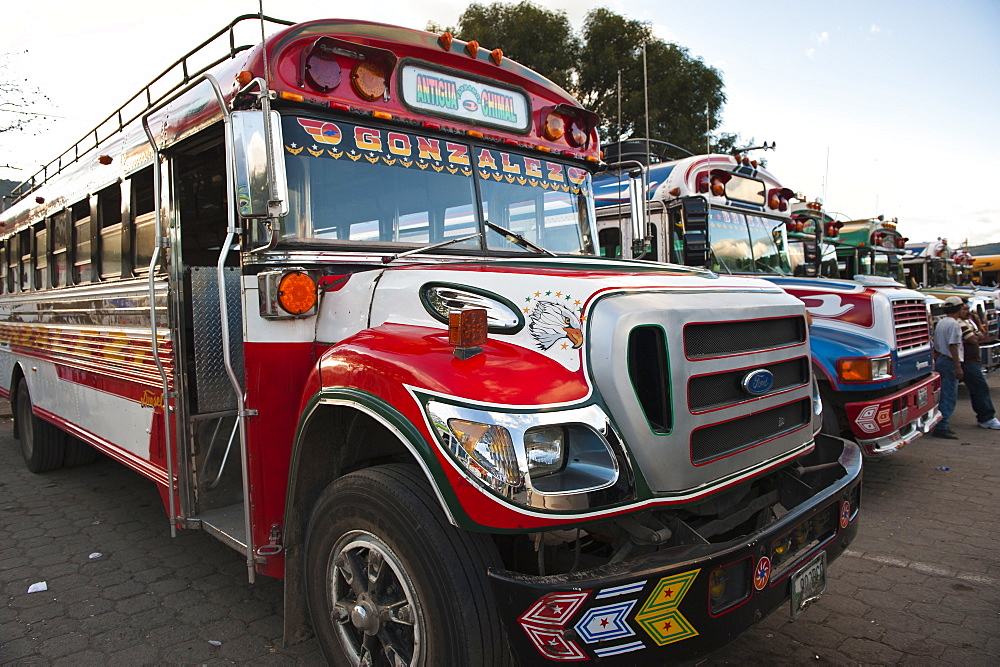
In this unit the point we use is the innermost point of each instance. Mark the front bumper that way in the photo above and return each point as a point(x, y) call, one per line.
point(990, 357)
point(658, 608)
point(883, 425)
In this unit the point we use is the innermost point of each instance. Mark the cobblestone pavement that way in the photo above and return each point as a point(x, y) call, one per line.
point(920, 584)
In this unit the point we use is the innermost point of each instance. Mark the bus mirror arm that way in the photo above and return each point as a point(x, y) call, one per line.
point(274, 226)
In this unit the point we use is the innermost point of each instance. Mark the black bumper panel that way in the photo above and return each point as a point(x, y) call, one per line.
point(657, 608)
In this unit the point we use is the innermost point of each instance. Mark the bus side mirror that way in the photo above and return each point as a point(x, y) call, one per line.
point(695, 248)
point(696, 243)
point(261, 187)
point(810, 258)
point(637, 201)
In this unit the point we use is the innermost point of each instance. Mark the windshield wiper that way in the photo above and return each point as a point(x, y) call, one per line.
point(389, 258)
point(517, 239)
point(761, 264)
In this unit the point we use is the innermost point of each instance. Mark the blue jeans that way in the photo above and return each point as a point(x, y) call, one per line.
point(949, 390)
point(979, 392)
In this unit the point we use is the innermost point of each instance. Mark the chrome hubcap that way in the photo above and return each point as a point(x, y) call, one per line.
point(373, 603)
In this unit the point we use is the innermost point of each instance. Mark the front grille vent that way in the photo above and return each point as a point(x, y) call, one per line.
point(909, 318)
point(721, 389)
point(721, 339)
point(649, 371)
point(718, 440)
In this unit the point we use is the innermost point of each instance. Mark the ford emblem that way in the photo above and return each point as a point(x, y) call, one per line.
point(758, 382)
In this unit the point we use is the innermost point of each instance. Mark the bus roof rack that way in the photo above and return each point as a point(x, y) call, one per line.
point(141, 102)
point(641, 150)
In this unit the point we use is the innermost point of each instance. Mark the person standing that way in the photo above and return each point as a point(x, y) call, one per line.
point(973, 334)
point(948, 362)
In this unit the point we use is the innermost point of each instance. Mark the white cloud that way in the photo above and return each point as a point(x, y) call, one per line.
point(823, 38)
point(875, 28)
point(810, 53)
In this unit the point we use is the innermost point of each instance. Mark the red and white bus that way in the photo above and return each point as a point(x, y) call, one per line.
point(336, 295)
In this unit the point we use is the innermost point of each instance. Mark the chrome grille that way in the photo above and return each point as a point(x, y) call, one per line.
point(718, 440)
point(909, 319)
point(720, 339)
point(722, 389)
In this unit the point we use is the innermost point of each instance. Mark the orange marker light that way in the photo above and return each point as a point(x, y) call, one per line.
point(445, 40)
point(467, 329)
point(297, 293)
point(368, 80)
point(496, 55)
point(244, 77)
point(555, 127)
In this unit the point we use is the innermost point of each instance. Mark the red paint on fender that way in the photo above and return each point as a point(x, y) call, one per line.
point(400, 354)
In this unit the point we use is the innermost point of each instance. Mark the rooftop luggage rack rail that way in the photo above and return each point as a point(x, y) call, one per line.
point(120, 118)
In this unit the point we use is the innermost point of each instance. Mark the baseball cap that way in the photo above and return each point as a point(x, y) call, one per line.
point(954, 301)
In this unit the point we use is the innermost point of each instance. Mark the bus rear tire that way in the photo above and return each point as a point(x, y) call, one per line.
point(43, 446)
point(78, 453)
point(386, 573)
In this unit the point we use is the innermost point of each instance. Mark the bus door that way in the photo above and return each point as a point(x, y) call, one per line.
point(209, 448)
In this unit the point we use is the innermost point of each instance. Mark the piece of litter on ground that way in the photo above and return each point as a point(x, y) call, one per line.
point(95, 523)
point(945, 468)
point(38, 587)
point(94, 555)
point(214, 642)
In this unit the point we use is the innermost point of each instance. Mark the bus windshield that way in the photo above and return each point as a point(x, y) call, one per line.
point(747, 243)
point(368, 186)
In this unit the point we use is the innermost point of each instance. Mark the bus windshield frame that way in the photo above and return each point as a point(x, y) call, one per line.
point(358, 188)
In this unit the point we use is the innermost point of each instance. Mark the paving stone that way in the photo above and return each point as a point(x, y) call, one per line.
point(919, 586)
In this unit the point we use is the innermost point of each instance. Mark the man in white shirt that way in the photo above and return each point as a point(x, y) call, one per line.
point(948, 361)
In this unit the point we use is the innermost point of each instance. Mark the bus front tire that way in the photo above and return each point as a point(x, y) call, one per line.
point(43, 446)
point(387, 576)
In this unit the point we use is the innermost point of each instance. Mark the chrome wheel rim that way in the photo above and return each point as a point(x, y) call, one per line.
point(373, 603)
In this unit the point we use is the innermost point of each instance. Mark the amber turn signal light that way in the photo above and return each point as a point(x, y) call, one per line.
point(297, 293)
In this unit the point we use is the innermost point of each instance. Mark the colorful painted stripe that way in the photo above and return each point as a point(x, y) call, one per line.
point(621, 648)
point(634, 587)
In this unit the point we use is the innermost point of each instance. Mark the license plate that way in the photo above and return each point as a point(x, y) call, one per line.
point(808, 584)
point(922, 397)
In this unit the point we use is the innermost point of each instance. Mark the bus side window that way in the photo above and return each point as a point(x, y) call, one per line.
point(109, 216)
point(25, 244)
point(610, 241)
point(60, 227)
point(82, 246)
point(41, 255)
point(11, 266)
point(143, 220)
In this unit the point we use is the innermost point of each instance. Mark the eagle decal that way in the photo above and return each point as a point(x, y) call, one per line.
point(551, 321)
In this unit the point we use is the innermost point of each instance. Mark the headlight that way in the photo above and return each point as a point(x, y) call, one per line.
point(545, 450)
point(531, 458)
point(488, 451)
point(864, 369)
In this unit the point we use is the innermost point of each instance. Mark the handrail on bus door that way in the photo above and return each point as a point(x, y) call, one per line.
point(223, 306)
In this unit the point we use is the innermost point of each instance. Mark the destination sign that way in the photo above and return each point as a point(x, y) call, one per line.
point(444, 94)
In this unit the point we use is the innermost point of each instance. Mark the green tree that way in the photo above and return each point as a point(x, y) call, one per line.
point(535, 37)
point(685, 96)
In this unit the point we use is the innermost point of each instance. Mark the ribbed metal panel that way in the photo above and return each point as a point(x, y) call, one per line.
point(712, 442)
point(909, 318)
point(722, 389)
point(213, 390)
point(717, 339)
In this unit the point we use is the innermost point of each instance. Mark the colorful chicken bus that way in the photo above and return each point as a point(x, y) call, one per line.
point(871, 343)
point(337, 296)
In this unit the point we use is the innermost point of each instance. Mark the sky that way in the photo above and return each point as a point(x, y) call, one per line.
point(878, 107)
